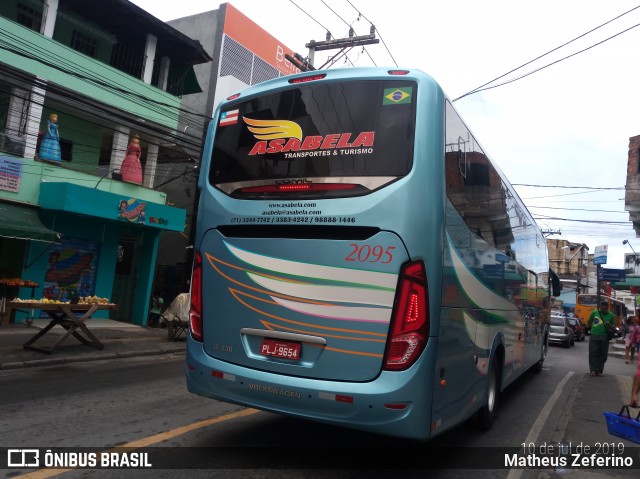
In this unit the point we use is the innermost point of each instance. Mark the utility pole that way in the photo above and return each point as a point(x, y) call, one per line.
point(328, 44)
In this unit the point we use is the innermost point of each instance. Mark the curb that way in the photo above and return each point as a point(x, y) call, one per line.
point(100, 357)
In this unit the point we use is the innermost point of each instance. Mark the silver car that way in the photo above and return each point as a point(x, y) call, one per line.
point(561, 331)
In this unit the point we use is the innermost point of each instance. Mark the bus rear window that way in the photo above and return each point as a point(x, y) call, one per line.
point(324, 139)
point(587, 300)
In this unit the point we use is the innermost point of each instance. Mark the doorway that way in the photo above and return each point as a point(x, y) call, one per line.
point(126, 274)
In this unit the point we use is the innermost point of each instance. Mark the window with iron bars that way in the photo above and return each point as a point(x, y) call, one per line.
point(84, 43)
point(29, 17)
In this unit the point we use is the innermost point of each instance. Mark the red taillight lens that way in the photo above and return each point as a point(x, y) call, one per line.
point(298, 187)
point(195, 313)
point(410, 319)
point(309, 78)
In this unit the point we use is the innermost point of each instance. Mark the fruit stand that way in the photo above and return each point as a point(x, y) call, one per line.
point(8, 288)
point(71, 317)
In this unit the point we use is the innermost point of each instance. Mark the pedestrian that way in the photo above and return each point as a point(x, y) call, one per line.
point(635, 340)
point(157, 303)
point(600, 321)
point(627, 333)
point(635, 387)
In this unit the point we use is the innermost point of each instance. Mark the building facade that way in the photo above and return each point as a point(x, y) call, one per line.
point(82, 79)
point(243, 54)
point(571, 261)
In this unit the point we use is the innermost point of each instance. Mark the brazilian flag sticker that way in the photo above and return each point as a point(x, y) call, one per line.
point(397, 96)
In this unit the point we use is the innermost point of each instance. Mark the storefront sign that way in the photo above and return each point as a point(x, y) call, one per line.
point(132, 210)
point(10, 174)
point(600, 255)
point(102, 204)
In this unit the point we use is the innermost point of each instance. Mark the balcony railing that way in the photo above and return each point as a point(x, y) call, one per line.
point(129, 60)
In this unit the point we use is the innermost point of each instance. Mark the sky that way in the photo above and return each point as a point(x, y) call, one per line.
point(563, 127)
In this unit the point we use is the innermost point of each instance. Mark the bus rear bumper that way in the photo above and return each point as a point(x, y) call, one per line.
point(386, 405)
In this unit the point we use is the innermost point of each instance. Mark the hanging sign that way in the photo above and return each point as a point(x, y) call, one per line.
point(600, 255)
point(10, 174)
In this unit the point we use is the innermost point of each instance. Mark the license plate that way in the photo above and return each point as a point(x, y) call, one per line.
point(280, 349)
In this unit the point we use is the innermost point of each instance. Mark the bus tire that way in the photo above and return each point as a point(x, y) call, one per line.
point(537, 367)
point(486, 414)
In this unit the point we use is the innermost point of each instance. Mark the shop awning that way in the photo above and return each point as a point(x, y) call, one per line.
point(22, 222)
point(630, 281)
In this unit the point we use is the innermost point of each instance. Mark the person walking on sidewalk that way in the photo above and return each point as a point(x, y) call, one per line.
point(630, 328)
point(634, 342)
point(635, 387)
point(600, 321)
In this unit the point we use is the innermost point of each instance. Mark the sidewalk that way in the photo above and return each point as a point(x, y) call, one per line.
point(120, 340)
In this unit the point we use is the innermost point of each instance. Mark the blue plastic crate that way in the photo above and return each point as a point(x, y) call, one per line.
point(624, 426)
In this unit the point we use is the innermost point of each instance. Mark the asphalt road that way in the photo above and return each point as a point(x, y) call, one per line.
point(143, 402)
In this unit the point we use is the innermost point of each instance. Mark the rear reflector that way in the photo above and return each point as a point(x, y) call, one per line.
point(397, 406)
point(221, 375)
point(336, 397)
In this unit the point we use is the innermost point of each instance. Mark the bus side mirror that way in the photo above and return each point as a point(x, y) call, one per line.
point(554, 279)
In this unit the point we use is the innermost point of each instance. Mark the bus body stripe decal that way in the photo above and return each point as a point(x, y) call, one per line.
point(371, 279)
point(341, 294)
point(343, 313)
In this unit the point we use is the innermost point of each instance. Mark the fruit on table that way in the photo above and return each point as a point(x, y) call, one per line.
point(81, 300)
point(93, 300)
point(22, 283)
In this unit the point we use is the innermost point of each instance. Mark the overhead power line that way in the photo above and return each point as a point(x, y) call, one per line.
point(482, 87)
point(576, 209)
point(379, 34)
point(312, 18)
point(604, 222)
point(563, 186)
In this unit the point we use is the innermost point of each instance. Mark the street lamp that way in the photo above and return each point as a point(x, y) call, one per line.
point(627, 242)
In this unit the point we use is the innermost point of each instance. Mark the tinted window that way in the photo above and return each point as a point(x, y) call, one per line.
point(318, 130)
point(556, 321)
point(587, 300)
point(488, 205)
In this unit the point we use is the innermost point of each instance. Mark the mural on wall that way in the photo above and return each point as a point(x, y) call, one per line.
point(72, 270)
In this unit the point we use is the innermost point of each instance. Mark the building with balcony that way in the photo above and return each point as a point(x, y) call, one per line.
point(571, 263)
point(80, 223)
point(632, 187)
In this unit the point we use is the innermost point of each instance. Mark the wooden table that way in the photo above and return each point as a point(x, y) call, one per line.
point(71, 317)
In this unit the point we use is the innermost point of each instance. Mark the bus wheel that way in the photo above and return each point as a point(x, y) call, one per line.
point(486, 414)
point(537, 367)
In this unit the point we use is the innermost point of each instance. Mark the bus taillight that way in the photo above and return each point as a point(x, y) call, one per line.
point(410, 319)
point(319, 76)
point(313, 187)
point(195, 313)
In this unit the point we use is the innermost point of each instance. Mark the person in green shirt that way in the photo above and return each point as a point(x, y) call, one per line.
point(600, 321)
